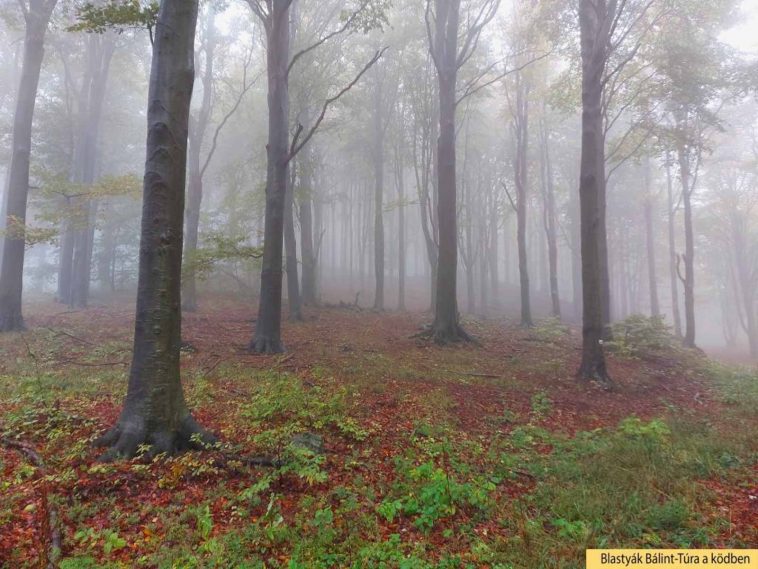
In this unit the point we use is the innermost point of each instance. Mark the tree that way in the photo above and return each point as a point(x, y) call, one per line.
point(37, 14)
point(274, 15)
point(155, 412)
point(520, 112)
point(198, 165)
point(443, 23)
point(694, 73)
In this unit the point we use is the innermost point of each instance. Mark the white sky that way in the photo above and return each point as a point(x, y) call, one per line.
point(744, 36)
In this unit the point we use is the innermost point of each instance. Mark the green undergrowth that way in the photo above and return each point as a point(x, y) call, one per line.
point(518, 496)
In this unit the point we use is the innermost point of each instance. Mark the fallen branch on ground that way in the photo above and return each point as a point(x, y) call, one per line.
point(48, 555)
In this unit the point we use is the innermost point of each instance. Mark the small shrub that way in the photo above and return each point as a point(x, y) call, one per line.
point(641, 336)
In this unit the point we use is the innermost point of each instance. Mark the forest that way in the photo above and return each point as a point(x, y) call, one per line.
point(412, 284)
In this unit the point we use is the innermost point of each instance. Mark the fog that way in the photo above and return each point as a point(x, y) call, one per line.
point(366, 211)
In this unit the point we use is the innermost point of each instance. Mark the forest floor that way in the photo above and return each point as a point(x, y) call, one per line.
point(488, 455)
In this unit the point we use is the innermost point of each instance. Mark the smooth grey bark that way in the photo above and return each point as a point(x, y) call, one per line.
point(401, 239)
point(155, 412)
point(594, 31)
point(688, 280)
point(521, 166)
point(198, 128)
point(655, 307)
point(79, 229)
point(307, 245)
point(443, 33)
point(267, 337)
point(290, 248)
point(37, 15)
point(671, 211)
point(550, 223)
point(378, 156)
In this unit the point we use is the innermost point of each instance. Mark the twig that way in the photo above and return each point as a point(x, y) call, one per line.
point(64, 333)
point(50, 524)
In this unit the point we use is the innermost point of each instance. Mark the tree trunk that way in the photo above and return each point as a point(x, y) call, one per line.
point(655, 309)
point(290, 247)
point(267, 337)
point(155, 412)
point(521, 119)
point(308, 253)
point(198, 128)
point(591, 182)
point(401, 244)
point(672, 252)
point(12, 271)
point(689, 252)
point(550, 225)
point(446, 326)
point(378, 194)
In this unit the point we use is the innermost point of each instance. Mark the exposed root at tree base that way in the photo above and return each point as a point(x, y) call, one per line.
point(124, 442)
point(50, 523)
point(447, 336)
point(597, 376)
point(265, 346)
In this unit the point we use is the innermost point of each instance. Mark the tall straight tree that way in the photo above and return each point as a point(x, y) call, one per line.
point(443, 30)
point(37, 14)
point(521, 171)
point(275, 17)
point(155, 412)
point(595, 29)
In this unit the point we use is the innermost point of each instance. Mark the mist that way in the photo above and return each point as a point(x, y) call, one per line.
point(434, 283)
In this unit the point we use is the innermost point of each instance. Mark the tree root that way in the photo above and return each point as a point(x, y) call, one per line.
point(447, 336)
point(51, 553)
point(264, 345)
point(125, 439)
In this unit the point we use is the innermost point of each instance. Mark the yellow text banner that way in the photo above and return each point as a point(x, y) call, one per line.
point(672, 558)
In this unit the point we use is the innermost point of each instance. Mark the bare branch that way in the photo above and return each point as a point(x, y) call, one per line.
point(299, 146)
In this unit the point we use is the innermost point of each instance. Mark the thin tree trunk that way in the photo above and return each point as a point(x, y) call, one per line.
point(550, 225)
point(521, 165)
point(378, 194)
point(268, 326)
point(672, 252)
point(655, 309)
point(305, 201)
point(689, 252)
point(38, 13)
point(290, 247)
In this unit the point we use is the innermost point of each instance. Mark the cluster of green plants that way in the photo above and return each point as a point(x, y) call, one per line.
point(642, 336)
point(550, 330)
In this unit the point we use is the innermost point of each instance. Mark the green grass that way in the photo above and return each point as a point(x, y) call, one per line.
point(518, 497)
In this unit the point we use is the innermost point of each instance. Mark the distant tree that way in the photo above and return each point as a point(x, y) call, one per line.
point(275, 17)
point(37, 14)
point(155, 412)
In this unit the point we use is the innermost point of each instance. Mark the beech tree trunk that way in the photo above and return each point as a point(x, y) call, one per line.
point(290, 247)
point(591, 183)
point(378, 193)
point(689, 251)
point(37, 15)
point(521, 128)
point(155, 412)
point(401, 244)
point(550, 225)
point(198, 128)
point(446, 327)
point(655, 308)
point(307, 246)
point(267, 337)
point(672, 252)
